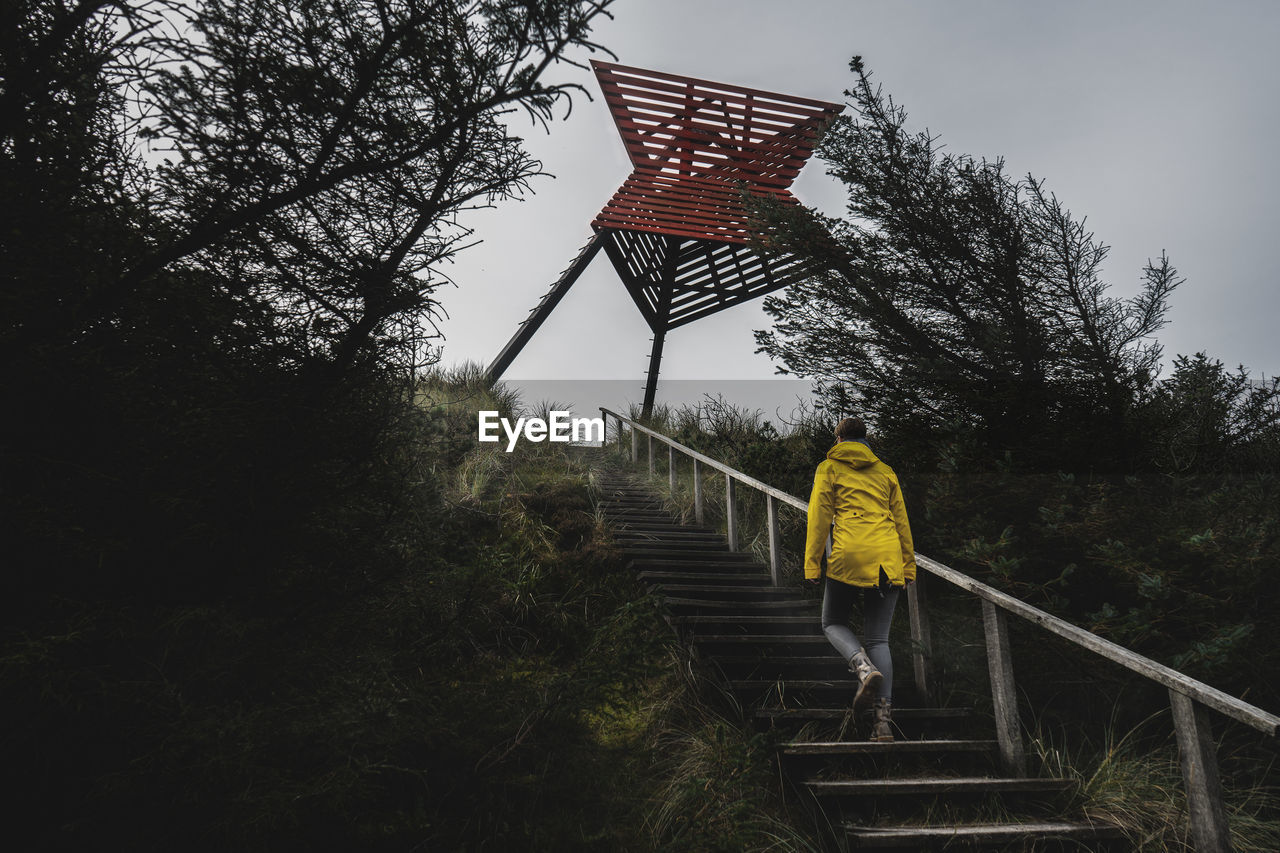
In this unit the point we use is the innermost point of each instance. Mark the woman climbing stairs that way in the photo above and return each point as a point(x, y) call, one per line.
point(936, 786)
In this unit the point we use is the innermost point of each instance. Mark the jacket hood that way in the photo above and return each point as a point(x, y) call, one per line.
point(854, 453)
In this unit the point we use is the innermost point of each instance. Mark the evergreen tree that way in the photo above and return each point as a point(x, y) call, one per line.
point(954, 297)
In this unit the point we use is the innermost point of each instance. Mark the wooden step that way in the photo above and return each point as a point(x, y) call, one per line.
point(810, 659)
point(659, 528)
point(755, 625)
point(808, 689)
point(819, 714)
point(721, 556)
point(728, 592)
point(838, 724)
point(715, 567)
point(733, 645)
point(932, 786)
point(673, 536)
point(695, 606)
point(672, 525)
point(643, 563)
point(696, 547)
point(897, 747)
point(746, 595)
point(614, 509)
point(725, 577)
point(766, 599)
point(955, 836)
point(750, 641)
point(667, 523)
point(630, 518)
point(637, 512)
point(781, 666)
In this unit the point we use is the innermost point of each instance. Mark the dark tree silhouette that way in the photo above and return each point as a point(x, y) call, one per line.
point(317, 157)
point(953, 295)
point(224, 225)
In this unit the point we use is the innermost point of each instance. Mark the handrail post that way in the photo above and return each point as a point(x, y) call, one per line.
point(651, 457)
point(635, 446)
point(775, 550)
point(731, 511)
point(1198, 755)
point(698, 514)
point(671, 469)
point(1004, 696)
point(921, 639)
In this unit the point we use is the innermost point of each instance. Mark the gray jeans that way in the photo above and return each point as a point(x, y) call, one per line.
point(877, 612)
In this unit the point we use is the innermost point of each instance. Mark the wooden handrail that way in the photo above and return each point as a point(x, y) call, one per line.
point(1207, 815)
point(1210, 696)
point(707, 460)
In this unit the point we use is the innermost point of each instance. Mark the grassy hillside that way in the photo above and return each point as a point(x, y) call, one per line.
point(488, 677)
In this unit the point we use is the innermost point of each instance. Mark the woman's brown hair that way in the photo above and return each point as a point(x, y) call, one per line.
point(851, 428)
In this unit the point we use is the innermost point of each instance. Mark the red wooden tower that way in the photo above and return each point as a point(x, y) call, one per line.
point(677, 230)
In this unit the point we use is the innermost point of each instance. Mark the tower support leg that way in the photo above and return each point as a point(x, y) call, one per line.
point(543, 309)
point(651, 381)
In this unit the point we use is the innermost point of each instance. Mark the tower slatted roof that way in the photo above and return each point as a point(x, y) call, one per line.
point(696, 145)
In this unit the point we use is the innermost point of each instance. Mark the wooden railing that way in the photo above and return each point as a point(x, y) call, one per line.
point(1190, 699)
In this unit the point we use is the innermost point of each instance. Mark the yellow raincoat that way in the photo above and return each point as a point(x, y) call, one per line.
point(861, 494)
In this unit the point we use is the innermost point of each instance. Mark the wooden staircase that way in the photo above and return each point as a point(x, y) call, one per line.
point(937, 786)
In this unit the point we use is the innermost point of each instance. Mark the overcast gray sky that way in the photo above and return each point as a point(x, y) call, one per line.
point(1156, 120)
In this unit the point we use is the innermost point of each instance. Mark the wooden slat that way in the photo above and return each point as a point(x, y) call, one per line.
point(660, 204)
point(783, 145)
point(615, 250)
point(712, 183)
point(631, 72)
point(740, 114)
point(716, 196)
point(775, 166)
point(684, 319)
point(684, 209)
point(657, 227)
point(685, 227)
point(660, 201)
point(733, 278)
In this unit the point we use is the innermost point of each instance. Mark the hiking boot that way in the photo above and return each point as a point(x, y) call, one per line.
point(880, 730)
point(869, 678)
